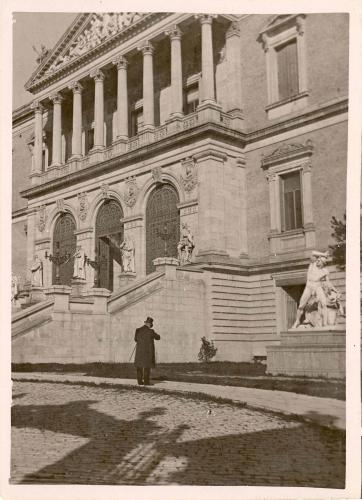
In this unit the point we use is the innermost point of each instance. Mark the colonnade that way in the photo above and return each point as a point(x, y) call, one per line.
point(207, 95)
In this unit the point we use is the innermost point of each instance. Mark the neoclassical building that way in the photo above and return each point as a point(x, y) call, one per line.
point(147, 125)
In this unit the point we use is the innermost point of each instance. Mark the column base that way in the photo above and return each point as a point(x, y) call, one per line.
point(120, 144)
point(209, 111)
point(36, 294)
point(35, 178)
point(212, 257)
point(79, 286)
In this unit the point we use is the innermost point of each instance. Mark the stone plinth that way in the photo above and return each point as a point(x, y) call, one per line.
point(100, 297)
point(61, 294)
point(36, 294)
point(79, 286)
point(126, 278)
point(167, 265)
point(318, 352)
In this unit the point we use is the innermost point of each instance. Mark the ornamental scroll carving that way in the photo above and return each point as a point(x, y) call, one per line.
point(105, 191)
point(83, 206)
point(42, 218)
point(157, 174)
point(189, 180)
point(60, 205)
point(131, 191)
point(101, 27)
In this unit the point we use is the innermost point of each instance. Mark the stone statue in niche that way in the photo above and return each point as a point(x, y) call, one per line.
point(79, 263)
point(186, 245)
point(321, 301)
point(36, 272)
point(128, 255)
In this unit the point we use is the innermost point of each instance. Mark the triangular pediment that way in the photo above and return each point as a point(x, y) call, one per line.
point(88, 32)
point(278, 21)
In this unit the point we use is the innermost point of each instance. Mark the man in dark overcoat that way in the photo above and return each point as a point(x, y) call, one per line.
point(145, 351)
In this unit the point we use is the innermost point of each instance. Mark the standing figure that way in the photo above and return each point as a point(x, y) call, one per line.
point(14, 289)
point(36, 272)
point(186, 245)
point(145, 358)
point(79, 263)
point(127, 251)
point(317, 280)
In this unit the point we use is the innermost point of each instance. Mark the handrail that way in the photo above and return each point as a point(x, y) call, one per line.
point(31, 310)
point(134, 286)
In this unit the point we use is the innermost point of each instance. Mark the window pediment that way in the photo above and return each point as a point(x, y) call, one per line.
point(281, 23)
point(287, 153)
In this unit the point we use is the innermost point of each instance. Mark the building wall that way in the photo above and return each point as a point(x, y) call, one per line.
point(323, 57)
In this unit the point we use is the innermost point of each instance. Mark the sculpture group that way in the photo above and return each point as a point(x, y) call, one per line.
point(185, 246)
point(321, 301)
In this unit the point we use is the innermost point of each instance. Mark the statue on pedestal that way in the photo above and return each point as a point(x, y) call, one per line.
point(185, 246)
point(128, 255)
point(36, 272)
point(320, 300)
point(79, 263)
point(14, 290)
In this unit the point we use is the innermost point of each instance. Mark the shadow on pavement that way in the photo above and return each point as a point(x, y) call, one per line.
point(140, 451)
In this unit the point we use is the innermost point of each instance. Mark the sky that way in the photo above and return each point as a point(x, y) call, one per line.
point(33, 28)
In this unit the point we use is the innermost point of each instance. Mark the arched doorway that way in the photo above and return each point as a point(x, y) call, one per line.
point(162, 225)
point(109, 234)
point(64, 241)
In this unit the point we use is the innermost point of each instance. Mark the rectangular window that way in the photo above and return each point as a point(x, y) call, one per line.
point(291, 201)
point(136, 121)
point(287, 64)
point(90, 139)
point(191, 99)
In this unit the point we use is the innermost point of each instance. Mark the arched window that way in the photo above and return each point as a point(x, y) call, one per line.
point(64, 241)
point(109, 234)
point(162, 225)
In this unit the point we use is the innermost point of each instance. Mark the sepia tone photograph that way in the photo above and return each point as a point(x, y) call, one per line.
point(178, 275)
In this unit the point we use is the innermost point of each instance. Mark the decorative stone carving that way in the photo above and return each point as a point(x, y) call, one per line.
point(60, 205)
point(36, 272)
point(131, 191)
point(189, 181)
point(233, 29)
point(42, 218)
point(105, 191)
point(157, 174)
point(320, 301)
point(83, 206)
point(79, 263)
point(127, 249)
point(42, 53)
point(185, 246)
point(101, 26)
point(14, 289)
point(288, 151)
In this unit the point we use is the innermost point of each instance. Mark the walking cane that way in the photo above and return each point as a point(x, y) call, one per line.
point(132, 353)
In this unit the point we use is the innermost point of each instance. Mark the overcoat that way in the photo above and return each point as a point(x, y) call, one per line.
point(145, 347)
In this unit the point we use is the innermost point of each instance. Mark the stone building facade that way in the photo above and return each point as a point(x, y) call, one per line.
point(234, 126)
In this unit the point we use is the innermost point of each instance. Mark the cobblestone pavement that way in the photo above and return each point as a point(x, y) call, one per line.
point(77, 434)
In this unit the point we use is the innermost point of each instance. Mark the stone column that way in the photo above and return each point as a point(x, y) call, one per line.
point(211, 225)
point(98, 76)
point(38, 140)
point(77, 88)
point(122, 98)
point(176, 72)
point(233, 50)
point(207, 59)
point(57, 129)
point(148, 94)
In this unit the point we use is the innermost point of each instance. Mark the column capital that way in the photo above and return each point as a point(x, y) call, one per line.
point(37, 107)
point(76, 87)
point(205, 18)
point(97, 75)
point(233, 30)
point(174, 32)
point(57, 98)
point(147, 48)
point(120, 61)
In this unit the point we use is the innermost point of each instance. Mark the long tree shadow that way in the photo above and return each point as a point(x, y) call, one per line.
point(115, 449)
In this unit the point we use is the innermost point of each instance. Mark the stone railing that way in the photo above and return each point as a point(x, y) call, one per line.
point(141, 139)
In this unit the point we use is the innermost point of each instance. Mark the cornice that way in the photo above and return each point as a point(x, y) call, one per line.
point(108, 44)
point(208, 130)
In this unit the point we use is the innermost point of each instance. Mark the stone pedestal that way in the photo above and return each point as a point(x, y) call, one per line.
point(313, 352)
point(126, 278)
point(36, 294)
point(79, 287)
point(61, 294)
point(168, 265)
point(100, 297)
